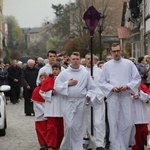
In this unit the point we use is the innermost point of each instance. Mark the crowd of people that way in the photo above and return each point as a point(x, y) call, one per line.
point(61, 93)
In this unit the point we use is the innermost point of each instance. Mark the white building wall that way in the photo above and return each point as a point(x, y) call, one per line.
point(147, 24)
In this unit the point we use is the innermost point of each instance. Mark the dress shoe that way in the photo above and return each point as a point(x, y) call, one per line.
point(107, 146)
point(27, 114)
point(99, 148)
point(50, 148)
point(44, 147)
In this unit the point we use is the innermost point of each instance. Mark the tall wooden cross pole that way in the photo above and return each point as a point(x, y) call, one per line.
point(91, 17)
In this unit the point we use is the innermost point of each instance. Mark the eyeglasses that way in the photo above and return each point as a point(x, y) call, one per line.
point(116, 51)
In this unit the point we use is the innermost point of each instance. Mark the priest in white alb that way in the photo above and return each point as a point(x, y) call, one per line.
point(120, 78)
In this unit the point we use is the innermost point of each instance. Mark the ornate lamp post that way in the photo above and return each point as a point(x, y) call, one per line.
point(101, 21)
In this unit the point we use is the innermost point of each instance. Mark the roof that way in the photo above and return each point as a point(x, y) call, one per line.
point(124, 32)
point(35, 30)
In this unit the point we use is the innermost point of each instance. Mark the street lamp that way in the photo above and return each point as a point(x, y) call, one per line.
point(100, 33)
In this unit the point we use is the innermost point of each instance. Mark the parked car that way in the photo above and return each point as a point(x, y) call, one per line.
point(3, 121)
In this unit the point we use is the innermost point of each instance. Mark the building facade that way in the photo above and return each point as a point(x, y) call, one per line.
point(1, 17)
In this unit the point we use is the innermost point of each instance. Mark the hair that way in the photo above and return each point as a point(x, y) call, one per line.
point(140, 59)
point(76, 53)
point(1, 61)
point(31, 61)
point(100, 62)
point(115, 44)
point(56, 65)
point(95, 57)
point(51, 51)
point(43, 75)
point(63, 53)
point(40, 59)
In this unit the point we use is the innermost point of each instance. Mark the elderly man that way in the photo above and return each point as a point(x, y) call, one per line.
point(77, 87)
point(118, 80)
point(29, 76)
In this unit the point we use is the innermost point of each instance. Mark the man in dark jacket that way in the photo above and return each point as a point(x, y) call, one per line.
point(14, 81)
point(29, 76)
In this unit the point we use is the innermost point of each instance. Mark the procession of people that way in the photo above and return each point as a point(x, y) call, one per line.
point(61, 93)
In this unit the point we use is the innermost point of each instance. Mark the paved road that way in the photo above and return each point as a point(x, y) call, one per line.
point(20, 133)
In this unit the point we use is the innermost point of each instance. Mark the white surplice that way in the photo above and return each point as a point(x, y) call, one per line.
point(74, 105)
point(53, 104)
point(39, 111)
point(45, 69)
point(97, 140)
point(120, 109)
point(140, 113)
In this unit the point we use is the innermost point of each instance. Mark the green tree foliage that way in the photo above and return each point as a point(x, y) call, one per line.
point(5, 50)
point(15, 34)
point(53, 44)
point(58, 9)
point(61, 26)
point(15, 55)
point(81, 45)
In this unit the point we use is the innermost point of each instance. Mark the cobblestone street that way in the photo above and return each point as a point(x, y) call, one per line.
point(20, 132)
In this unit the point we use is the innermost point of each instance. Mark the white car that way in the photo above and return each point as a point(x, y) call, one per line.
point(3, 122)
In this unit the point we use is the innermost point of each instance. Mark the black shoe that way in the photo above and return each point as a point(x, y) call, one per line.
point(99, 148)
point(107, 145)
point(27, 114)
point(44, 147)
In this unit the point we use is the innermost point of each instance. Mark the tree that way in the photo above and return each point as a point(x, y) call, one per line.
point(58, 9)
point(15, 34)
point(81, 45)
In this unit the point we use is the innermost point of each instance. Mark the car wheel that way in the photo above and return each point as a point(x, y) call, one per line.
point(3, 131)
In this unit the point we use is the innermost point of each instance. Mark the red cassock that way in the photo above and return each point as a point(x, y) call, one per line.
point(40, 126)
point(36, 96)
point(141, 129)
point(48, 84)
point(144, 88)
point(55, 128)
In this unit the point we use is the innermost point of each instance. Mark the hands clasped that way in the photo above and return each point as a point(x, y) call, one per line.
point(120, 89)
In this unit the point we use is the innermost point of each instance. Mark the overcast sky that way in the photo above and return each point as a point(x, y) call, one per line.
point(31, 13)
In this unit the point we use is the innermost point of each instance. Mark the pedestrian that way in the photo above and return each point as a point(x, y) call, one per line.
point(147, 64)
point(40, 63)
point(4, 78)
point(140, 116)
point(53, 109)
point(14, 77)
point(142, 69)
point(20, 64)
point(100, 64)
point(29, 76)
point(97, 139)
point(40, 120)
point(107, 141)
point(3, 74)
point(76, 86)
point(119, 78)
point(109, 57)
